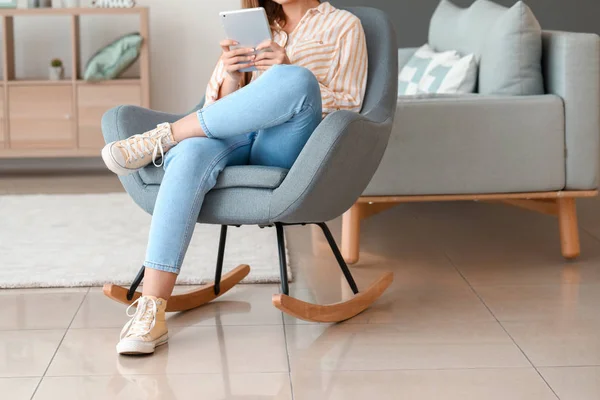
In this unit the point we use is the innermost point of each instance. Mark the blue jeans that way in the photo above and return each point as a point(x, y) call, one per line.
point(268, 122)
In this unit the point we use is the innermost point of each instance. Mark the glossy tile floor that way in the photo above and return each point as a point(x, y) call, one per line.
point(482, 307)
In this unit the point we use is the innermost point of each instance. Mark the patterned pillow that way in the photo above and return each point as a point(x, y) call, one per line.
point(431, 72)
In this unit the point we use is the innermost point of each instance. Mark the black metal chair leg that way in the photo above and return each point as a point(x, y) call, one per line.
point(282, 259)
point(136, 282)
point(338, 256)
point(220, 257)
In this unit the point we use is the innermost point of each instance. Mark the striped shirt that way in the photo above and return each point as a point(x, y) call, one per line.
point(331, 44)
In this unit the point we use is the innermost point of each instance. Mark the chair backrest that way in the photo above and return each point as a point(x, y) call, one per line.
point(341, 157)
point(382, 83)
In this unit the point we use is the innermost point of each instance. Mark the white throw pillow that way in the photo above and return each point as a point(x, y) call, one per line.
point(431, 72)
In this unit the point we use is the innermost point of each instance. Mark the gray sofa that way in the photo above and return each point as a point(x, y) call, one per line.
point(539, 151)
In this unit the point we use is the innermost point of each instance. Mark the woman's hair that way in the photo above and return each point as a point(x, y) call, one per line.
point(273, 9)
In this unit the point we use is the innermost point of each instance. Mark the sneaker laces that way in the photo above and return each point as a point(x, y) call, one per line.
point(138, 146)
point(143, 320)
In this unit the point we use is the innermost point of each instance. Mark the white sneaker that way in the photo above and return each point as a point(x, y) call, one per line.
point(147, 328)
point(127, 156)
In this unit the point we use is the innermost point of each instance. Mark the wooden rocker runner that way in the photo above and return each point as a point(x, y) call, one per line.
point(297, 308)
point(326, 313)
point(330, 174)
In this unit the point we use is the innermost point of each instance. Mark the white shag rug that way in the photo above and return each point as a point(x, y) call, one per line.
point(89, 240)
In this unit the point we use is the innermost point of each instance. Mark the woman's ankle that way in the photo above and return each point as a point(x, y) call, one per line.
point(159, 284)
point(187, 127)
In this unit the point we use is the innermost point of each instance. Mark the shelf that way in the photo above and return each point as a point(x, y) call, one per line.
point(80, 82)
point(133, 81)
point(39, 82)
point(9, 12)
point(48, 153)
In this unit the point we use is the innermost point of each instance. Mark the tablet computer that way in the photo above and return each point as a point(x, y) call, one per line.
point(249, 27)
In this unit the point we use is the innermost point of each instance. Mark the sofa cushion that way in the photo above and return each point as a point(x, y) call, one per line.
point(430, 72)
point(473, 144)
point(249, 176)
point(506, 41)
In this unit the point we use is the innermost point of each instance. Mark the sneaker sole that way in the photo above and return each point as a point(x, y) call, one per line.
point(130, 348)
point(111, 164)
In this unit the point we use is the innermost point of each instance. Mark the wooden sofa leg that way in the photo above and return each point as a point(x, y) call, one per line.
point(351, 234)
point(569, 230)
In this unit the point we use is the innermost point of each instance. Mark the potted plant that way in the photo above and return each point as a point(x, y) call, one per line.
point(56, 70)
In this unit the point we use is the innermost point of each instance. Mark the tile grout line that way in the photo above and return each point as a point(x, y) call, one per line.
point(585, 230)
point(287, 352)
point(500, 323)
point(108, 375)
point(59, 344)
point(287, 355)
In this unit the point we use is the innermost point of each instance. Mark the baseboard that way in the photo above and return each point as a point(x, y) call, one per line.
point(51, 165)
point(478, 197)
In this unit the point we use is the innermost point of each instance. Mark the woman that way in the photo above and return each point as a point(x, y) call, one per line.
point(316, 64)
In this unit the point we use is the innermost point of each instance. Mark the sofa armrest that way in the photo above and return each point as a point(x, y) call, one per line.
point(404, 55)
point(571, 63)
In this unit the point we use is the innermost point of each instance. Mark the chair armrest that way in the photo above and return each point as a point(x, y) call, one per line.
point(332, 170)
point(404, 55)
point(124, 121)
point(571, 63)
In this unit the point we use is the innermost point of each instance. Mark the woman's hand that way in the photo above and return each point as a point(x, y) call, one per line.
point(237, 59)
point(272, 54)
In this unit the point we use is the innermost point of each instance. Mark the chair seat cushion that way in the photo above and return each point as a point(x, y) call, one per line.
point(249, 176)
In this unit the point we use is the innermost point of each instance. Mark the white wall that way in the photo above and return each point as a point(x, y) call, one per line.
point(185, 37)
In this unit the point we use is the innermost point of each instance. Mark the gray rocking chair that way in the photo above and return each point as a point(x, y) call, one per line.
point(330, 174)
